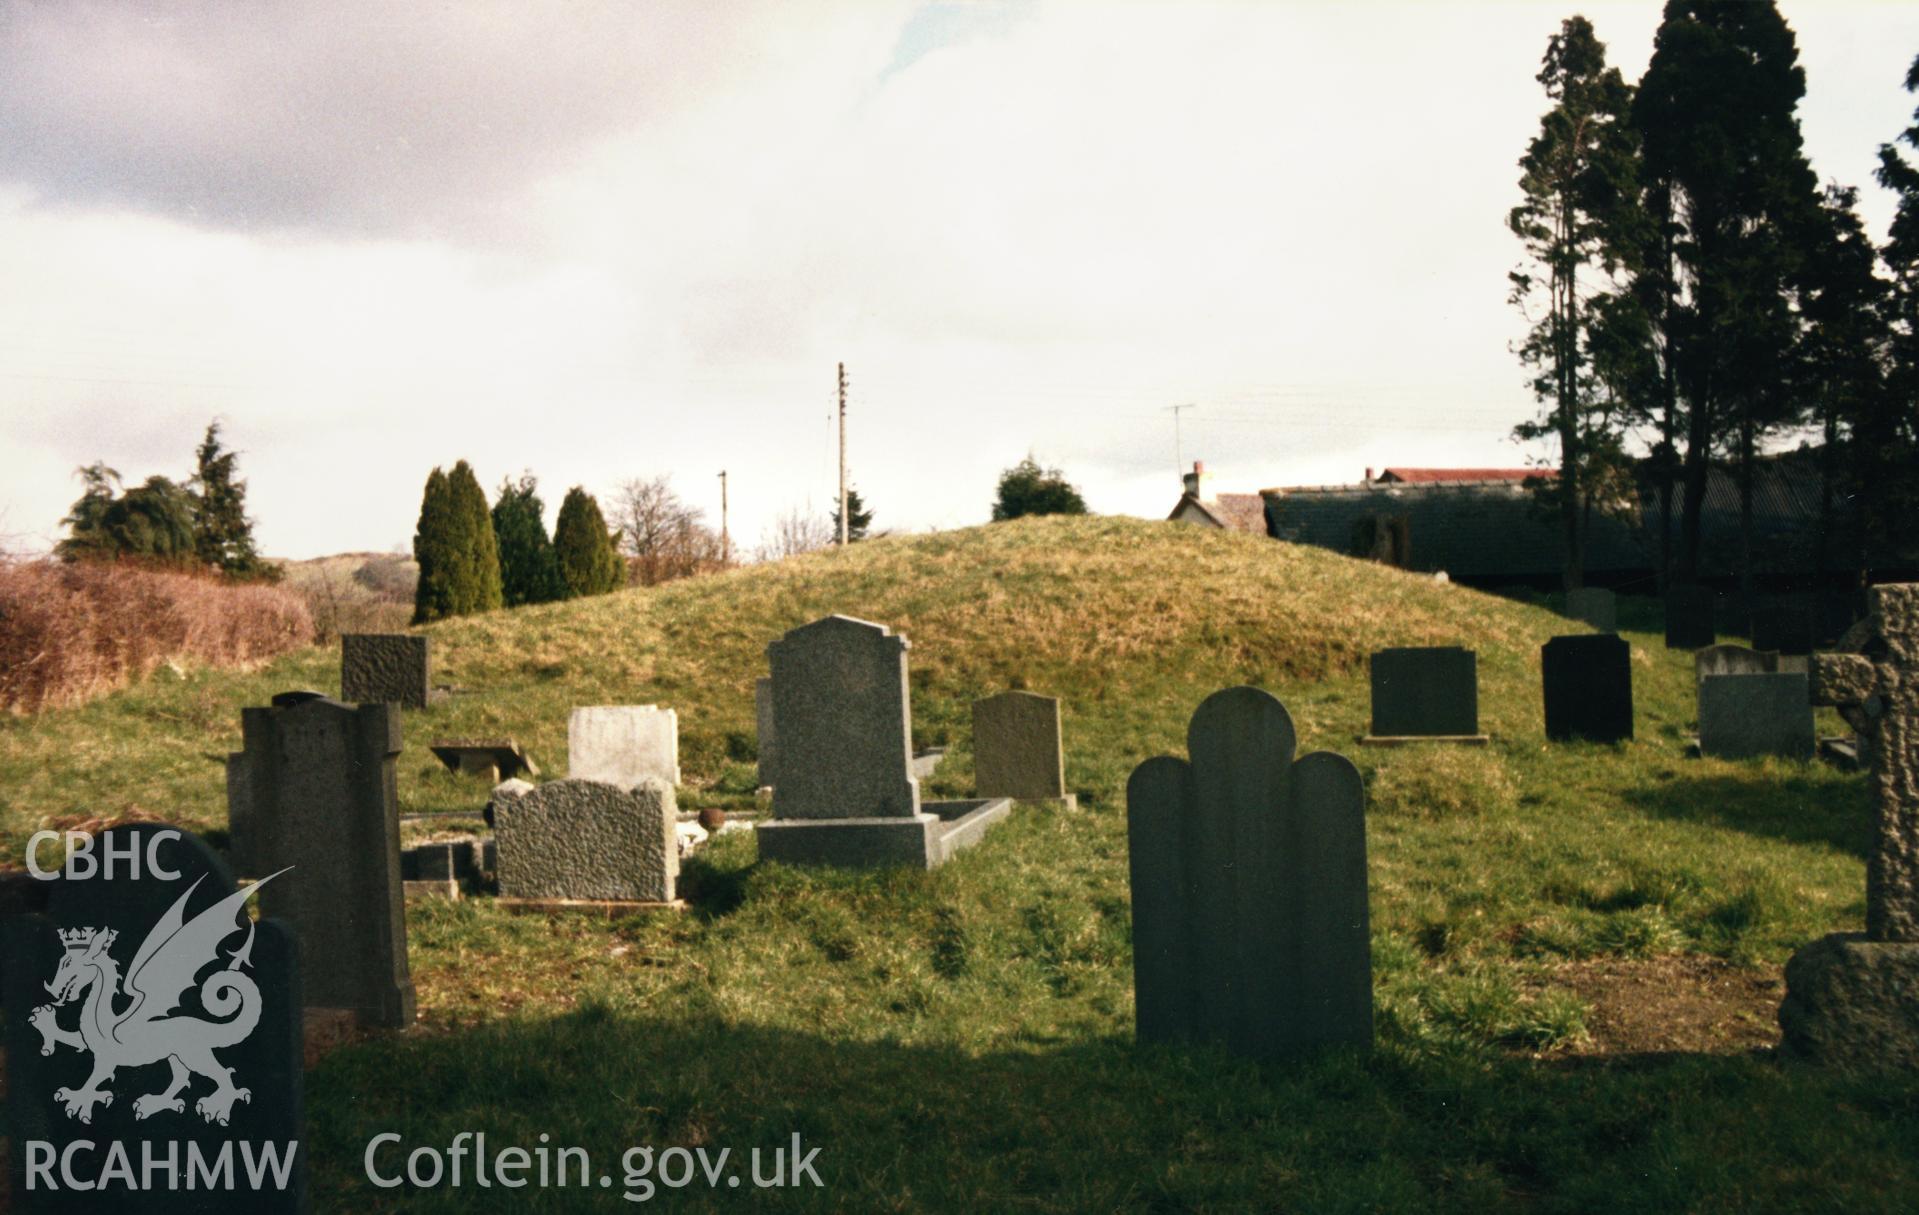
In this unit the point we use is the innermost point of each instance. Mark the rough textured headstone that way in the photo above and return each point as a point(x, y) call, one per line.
point(1588, 685)
point(1783, 626)
point(320, 795)
point(1732, 660)
point(1745, 716)
point(581, 839)
point(1425, 691)
point(767, 738)
point(1016, 747)
point(208, 1062)
point(1852, 1000)
point(379, 667)
point(1689, 617)
point(623, 744)
point(1248, 875)
point(1595, 606)
point(843, 716)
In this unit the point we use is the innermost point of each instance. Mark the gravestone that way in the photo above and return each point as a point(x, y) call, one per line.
point(767, 744)
point(1248, 876)
point(1689, 617)
point(845, 793)
point(623, 744)
point(320, 796)
point(1852, 999)
point(1745, 716)
point(379, 667)
point(1588, 685)
point(583, 840)
point(1732, 660)
point(1425, 692)
point(1783, 626)
point(205, 1067)
point(1017, 751)
point(1595, 606)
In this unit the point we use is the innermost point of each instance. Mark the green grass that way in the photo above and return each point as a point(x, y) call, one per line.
point(963, 1039)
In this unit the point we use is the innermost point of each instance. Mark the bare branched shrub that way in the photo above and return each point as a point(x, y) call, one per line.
point(70, 632)
point(801, 529)
point(663, 537)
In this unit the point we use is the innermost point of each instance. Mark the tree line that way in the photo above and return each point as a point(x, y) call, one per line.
point(1694, 290)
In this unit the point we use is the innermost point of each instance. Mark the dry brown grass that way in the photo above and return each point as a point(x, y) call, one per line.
point(69, 633)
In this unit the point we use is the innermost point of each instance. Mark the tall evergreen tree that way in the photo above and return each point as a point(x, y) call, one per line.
point(1888, 438)
point(529, 567)
point(1578, 178)
point(589, 557)
point(223, 535)
point(1028, 489)
point(858, 518)
point(479, 548)
point(1728, 178)
point(437, 595)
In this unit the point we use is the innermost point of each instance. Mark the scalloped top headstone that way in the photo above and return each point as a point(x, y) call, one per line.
point(1016, 747)
point(1248, 875)
point(843, 717)
point(239, 1095)
point(1877, 690)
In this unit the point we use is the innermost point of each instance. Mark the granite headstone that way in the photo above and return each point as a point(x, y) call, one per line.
point(1745, 716)
point(589, 841)
point(1588, 687)
point(380, 667)
point(1425, 691)
point(623, 744)
point(1016, 747)
point(842, 713)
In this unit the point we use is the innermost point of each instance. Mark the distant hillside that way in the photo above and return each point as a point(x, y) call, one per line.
point(355, 592)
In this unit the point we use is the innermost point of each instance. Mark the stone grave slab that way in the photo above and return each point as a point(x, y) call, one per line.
point(623, 744)
point(1017, 749)
point(493, 759)
point(1428, 693)
point(1588, 686)
point(380, 667)
point(173, 1028)
point(1689, 617)
point(1249, 886)
point(1746, 716)
point(846, 793)
point(579, 841)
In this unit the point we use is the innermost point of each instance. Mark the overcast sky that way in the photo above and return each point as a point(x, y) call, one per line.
point(603, 241)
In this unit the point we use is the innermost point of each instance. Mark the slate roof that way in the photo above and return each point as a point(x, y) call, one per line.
point(1415, 476)
point(1234, 512)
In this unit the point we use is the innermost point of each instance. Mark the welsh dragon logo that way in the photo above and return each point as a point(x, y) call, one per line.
point(141, 1031)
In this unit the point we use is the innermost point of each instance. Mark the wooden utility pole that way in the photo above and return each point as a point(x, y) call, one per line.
point(726, 538)
point(843, 521)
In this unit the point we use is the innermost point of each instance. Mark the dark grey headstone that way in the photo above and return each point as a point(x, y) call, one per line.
point(843, 717)
point(590, 841)
point(1016, 747)
point(1588, 684)
point(380, 667)
point(1425, 691)
point(1595, 606)
point(1744, 716)
point(231, 1016)
point(1248, 875)
point(320, 796)
point(767, 739)
point(1689, 617)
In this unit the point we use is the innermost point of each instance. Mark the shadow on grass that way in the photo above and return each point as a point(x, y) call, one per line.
point(1103, 1125)
point(1796, 809)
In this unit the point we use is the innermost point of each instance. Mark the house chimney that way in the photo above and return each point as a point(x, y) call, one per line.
point(1199, 482)
point(1369, 473)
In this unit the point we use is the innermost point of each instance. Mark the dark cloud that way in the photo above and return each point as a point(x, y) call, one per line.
point(358, 117)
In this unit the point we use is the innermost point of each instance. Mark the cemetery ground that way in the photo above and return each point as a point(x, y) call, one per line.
point(1576, 948)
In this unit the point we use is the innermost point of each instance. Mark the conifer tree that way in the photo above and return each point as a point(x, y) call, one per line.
point(589, 560)
point(529, 566)
point(223, 535)
point(479, 578)
point(435, 544)
point(858, 518)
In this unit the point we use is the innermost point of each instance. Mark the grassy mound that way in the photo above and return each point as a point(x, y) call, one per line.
point(1575, 947)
